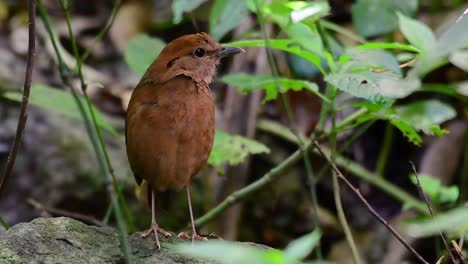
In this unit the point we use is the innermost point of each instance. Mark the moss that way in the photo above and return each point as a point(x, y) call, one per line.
point(64, 240)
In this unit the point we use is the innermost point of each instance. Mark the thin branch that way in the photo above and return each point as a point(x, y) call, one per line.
point(250, 189)
point(101, 33)
point(24, 103)
point(357, 170)
point(111, 185)
point(55, 211)
point(429, 207)
point(289, 114)
point(97, 129)
point(369, 207)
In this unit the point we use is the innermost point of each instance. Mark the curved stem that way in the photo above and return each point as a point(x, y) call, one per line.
point(24, 103)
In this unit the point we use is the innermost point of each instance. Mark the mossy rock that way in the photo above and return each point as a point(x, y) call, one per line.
point(64, 240)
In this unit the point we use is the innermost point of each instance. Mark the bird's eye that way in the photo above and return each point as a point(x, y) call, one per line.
point(199, 52)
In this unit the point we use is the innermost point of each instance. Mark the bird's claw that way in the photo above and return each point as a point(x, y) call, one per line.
point(193, 237)
point(156, 229)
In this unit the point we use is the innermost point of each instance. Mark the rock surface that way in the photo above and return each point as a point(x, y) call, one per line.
point(64, 240)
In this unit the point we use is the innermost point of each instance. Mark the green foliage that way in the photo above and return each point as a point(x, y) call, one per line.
point(433, 188)
point(374, 86)
point(460, 59)
point(287, 45)
point(247, 83)
point(141, 51)
point(449, 43)
point(417, 33)
point(452, 222)
point(377, 17)
point(233, 252)
point(59, 101)
point(179, 7)
point(226, 15)
point(233, 149)
point(426, 115)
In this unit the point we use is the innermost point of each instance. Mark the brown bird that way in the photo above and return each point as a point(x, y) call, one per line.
point(170, 119)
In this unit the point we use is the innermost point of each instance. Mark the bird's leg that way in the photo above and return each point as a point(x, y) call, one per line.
point(194, 235)
point(154, 225)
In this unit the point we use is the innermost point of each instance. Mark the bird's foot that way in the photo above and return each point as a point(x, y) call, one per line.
point(193, 237)
point(156, 229)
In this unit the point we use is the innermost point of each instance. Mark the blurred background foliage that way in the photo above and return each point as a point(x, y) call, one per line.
point(379, 82)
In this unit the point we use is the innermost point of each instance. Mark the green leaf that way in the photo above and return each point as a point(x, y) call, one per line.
point(374, 86)
point(423, 115)
point(312, 11)
point(376, 17)
point(376, 58)
point(408, 131)
point(460, 59)
point(434, 189)
point(247, 83)
point(450, 40)
point(141, 51)
point(233, 149)
point(388, 45)
point(226, 15)
point(452, 222)
point(301, 247)
point(61, 102)
point(179, 7)
point(228, 252)
point(454, 37)
point(417, 33)
point(287, 45)
point(304, 35)
point(430, 185)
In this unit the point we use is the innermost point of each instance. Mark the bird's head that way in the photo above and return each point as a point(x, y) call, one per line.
point(195, 56)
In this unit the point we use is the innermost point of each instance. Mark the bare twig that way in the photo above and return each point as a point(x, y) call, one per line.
point(429, 207)
point(369, 207)
point(55, 211)
point(24, 103)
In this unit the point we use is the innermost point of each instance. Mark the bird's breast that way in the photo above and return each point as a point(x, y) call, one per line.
point(170, 137)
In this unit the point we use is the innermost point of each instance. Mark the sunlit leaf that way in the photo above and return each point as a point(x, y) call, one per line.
point(225, 15)
point(452, 222)
point(287, 45)
point(61, 102)
point(376, 17)
point(417, 33)
point(179, 7)
point(312, 10)
point(374, 86)
point(233, 149)
point(141, 51)
point(300, 248)
point(226, 252)
point(247, 83)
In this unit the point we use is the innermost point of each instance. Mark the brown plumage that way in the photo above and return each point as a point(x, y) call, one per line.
point(170, 117)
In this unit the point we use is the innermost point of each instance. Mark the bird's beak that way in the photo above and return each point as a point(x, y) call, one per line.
point(229, 51)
